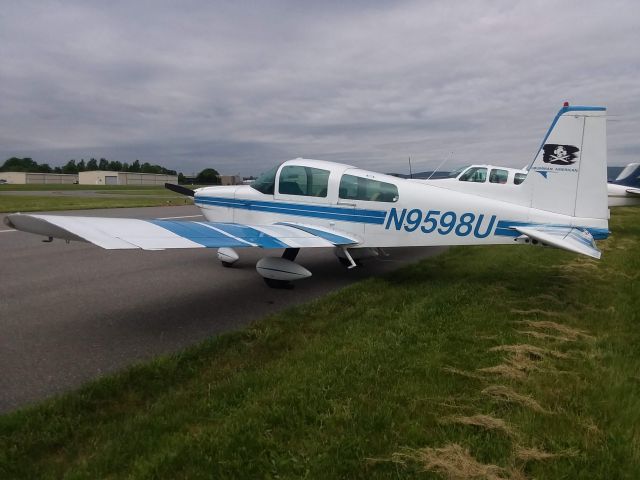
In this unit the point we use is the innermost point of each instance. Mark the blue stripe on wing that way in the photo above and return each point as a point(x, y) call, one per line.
point(214, 235)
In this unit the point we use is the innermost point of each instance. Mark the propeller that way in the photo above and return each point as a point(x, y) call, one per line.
point(179, 189)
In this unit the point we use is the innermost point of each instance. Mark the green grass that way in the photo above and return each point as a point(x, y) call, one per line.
point(36, 203)
point(338, 387)
point(70, 187)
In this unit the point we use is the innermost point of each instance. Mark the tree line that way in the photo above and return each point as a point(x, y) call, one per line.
point(15, 164)
point(208, 176)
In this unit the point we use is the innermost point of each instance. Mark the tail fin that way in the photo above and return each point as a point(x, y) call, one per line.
point(569, 174)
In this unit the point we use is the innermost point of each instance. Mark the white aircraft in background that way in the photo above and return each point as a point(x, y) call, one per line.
point(311, 203)
point(500, 182)
point(625, 189)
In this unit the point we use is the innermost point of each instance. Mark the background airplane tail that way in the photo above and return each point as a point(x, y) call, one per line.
point(569, 173)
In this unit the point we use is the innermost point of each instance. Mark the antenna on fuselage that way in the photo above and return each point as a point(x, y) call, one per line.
point(410, 171)
point(441, 164)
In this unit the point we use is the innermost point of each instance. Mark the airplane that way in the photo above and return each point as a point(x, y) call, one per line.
point(304, 203)
point(498, 182)
point(625, 189)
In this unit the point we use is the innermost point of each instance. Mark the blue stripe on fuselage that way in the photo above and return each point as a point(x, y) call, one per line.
point(375, 217)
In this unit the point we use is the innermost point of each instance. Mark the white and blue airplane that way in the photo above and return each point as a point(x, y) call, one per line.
point(305, 203)
point(625, 189)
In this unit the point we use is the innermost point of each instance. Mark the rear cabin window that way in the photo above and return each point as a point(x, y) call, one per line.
point(358, 188)
point(519, 178)
point(306, 181)
point(498, 176)
point(474, 174)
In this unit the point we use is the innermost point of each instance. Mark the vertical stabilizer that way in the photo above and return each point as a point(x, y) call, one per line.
point(569, 173)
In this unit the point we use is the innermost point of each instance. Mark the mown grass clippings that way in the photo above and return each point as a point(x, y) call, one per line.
point(531, 351)
point(531, 454)
point(568, 332)
point(502, 393)
point(451, 461)
point(463, 373)
point(482, 421)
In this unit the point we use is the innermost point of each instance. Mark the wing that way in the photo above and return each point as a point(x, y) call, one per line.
point(127, 233)
point(573, 239)
point(633, 191)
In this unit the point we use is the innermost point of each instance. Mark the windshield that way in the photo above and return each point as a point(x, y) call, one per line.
point(457, 172)
point(266, 182)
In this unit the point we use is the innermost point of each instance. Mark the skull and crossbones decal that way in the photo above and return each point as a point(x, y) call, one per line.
point(560, 154)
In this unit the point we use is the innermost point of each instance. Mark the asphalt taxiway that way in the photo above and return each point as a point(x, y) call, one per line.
point(73, 312)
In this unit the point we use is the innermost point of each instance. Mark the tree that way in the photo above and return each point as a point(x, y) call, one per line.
point(103, 164)
point(70, 167)
point(15, 164)
point(92, 164)
point(180, 178)
point(115, 166)
point(208, 176)
point(147, 168)
point(135, 166)
point(81, 166)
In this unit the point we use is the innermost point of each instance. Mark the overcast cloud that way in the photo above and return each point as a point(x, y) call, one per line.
point(239, 86)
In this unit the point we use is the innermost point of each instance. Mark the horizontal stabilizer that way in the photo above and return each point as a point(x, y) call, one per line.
point(128, 233)
point(633, 191)
point(573, 239)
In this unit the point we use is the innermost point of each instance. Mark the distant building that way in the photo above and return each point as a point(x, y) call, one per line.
point(23, 178)
point(230, 180)
point(102, 177)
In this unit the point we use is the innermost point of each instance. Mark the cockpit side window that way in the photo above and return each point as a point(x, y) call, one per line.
point(307, 181)
point(519, 178)
point(474, 174)
point(498, 175)
point(266, 182)
point(359, 188)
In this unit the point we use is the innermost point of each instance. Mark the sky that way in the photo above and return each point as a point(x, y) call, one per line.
point(240, 86)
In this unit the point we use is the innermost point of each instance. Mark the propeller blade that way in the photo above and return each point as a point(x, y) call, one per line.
point(179, 189)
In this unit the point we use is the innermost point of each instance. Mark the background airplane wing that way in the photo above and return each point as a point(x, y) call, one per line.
point(127, 233)
point(573, 239)
point(633, 191)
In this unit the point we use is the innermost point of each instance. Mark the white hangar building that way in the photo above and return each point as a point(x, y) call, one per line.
point(22, 178)
point(103, 177)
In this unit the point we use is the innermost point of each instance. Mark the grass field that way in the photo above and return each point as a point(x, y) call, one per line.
point(33, 203)
point(493, 362)
point(71, 187)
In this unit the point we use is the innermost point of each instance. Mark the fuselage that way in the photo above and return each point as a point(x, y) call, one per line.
point(380, 210)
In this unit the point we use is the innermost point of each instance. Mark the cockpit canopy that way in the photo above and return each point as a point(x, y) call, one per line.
point(336, 181)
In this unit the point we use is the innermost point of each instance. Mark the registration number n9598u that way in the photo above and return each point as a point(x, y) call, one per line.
point(443, 223)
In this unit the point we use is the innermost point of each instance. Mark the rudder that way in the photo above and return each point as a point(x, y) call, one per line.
point(569, 174)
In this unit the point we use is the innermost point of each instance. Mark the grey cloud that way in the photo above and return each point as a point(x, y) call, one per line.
point(238, 86)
